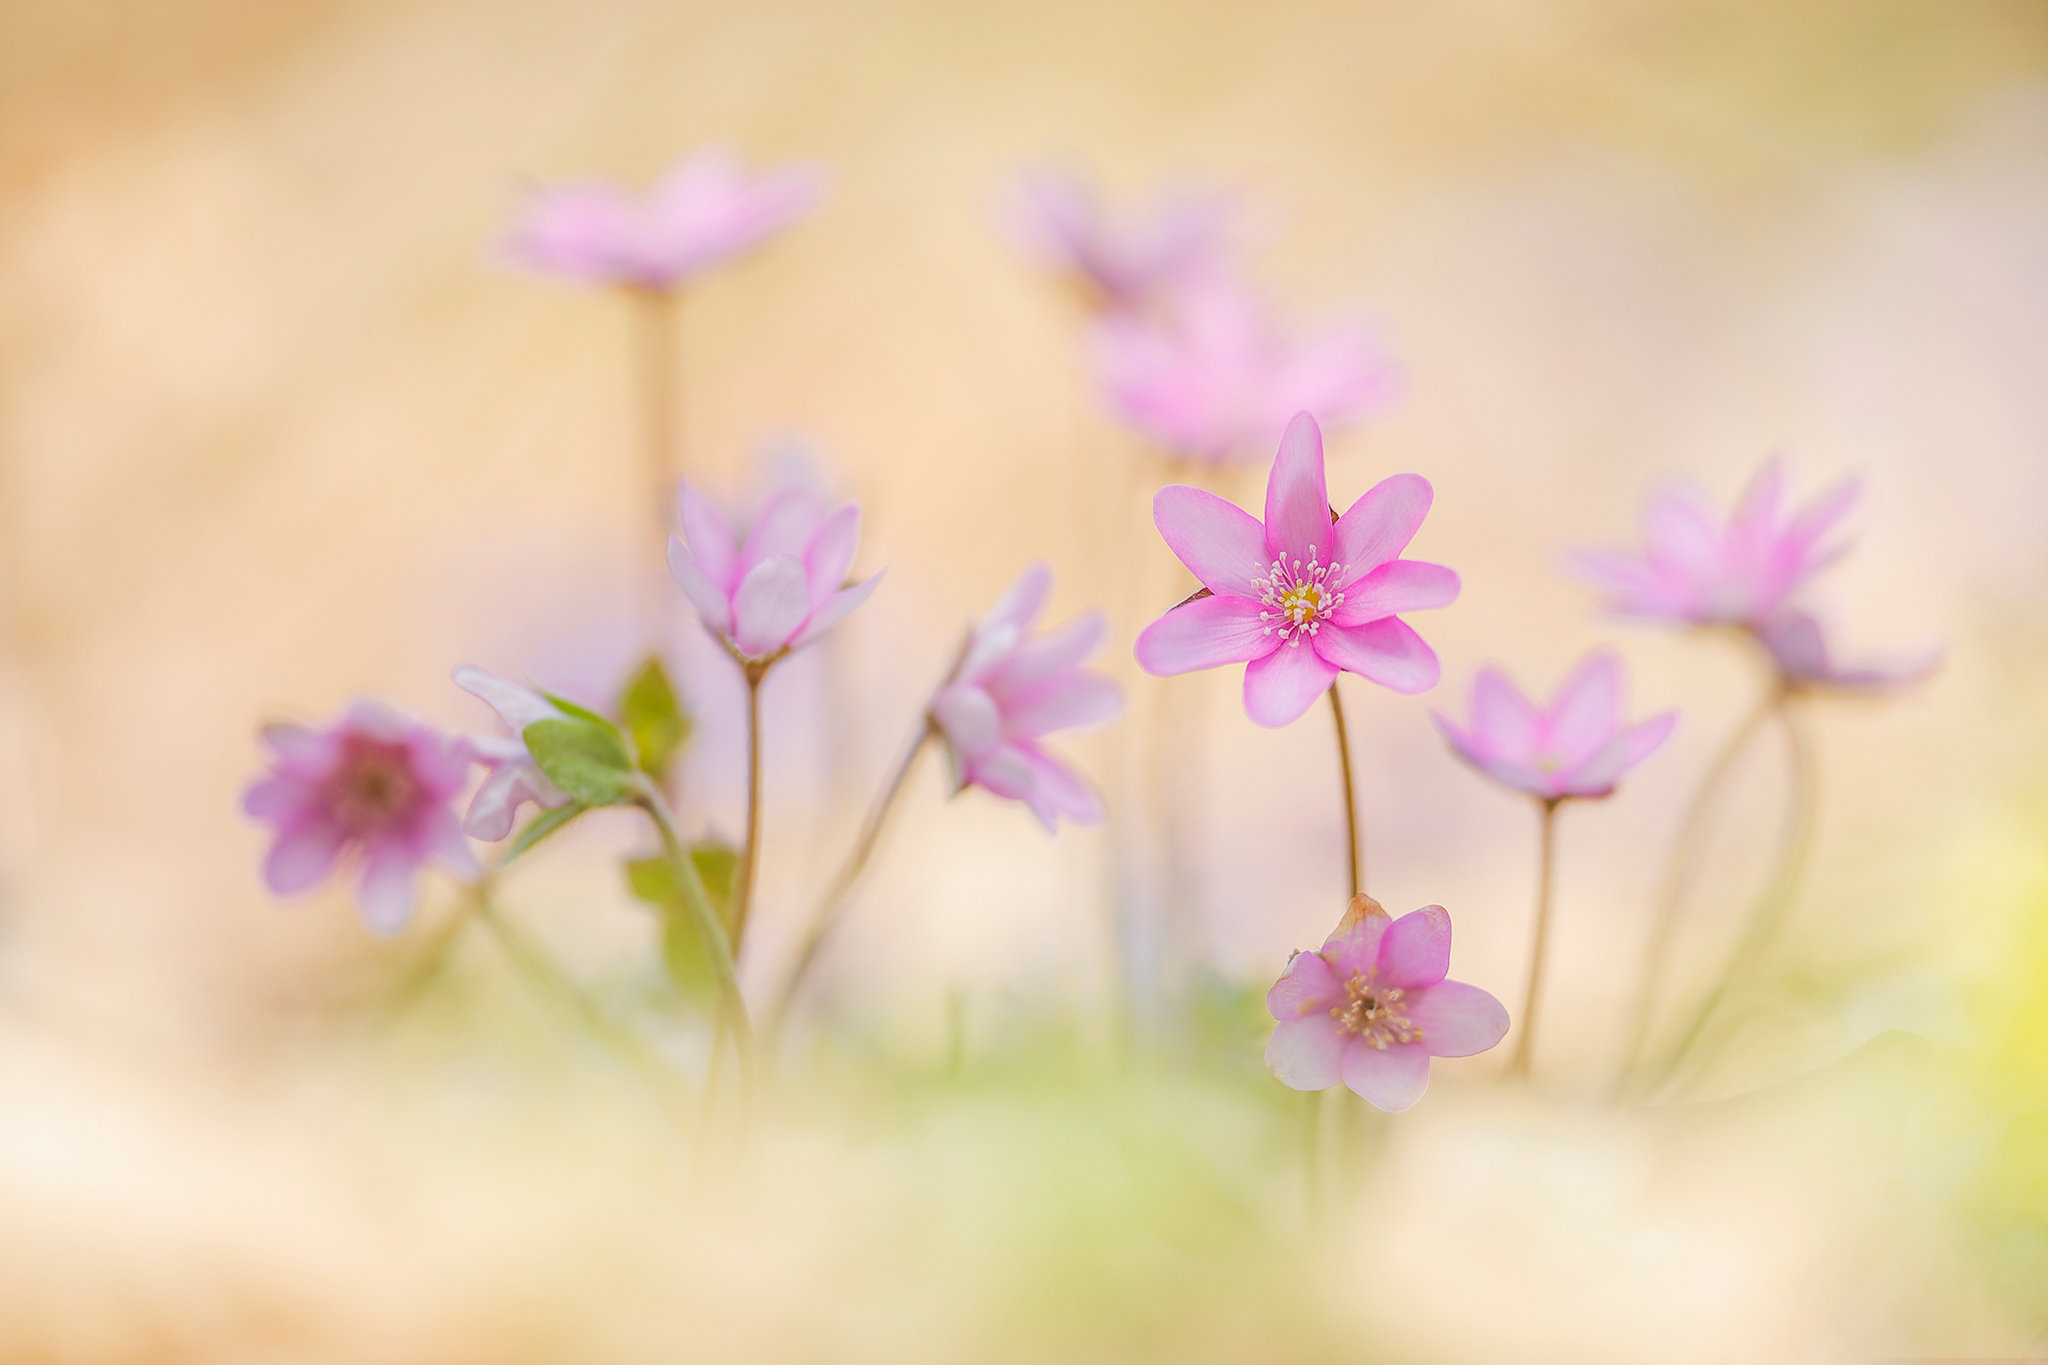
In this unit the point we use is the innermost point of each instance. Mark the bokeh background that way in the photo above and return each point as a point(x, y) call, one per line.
point(279, 427)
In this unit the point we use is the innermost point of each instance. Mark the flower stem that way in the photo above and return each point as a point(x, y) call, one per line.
point(698, 903)
point(750, 855)
point(1525, 1044)
point(655, 315)
point(1354, 855)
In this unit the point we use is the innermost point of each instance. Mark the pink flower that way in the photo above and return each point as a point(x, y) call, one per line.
point(1012, 690)
point(703, 212)
point(374, 782)
point(1214, 380)
point(514, 777)
point(1278, 606)
point(780, 589)
point(1579, 747)
point(1799, 649)
point(1373, 1007)
point(1696, 571)
point(1054, 218)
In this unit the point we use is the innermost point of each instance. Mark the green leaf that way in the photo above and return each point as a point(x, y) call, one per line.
point(683, 949)
point(540, 827)
point(653, 718)
point(570, 708)
point(585, 758)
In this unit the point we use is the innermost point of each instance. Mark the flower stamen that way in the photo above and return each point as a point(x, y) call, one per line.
point(1376, 1013)
point(1297, 598)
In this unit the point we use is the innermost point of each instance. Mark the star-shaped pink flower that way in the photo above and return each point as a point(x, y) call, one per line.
point(1578, 746)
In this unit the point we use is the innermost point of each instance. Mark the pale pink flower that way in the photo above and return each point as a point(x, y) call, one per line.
point(1372, 1007)
point(1799, 649)
point(1296, 598)
point(780, 588)
point(375, 784)
point(1011, 690)
point(1212, 378)
point(1053, 216)
point(1695, 570)
point(704, 211)
point(1579, 746)
point(514, 777)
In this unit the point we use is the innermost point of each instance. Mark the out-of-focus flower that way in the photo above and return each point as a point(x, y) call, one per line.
point(1213, 379)
point(1011, 690)
point(514, 777)
point(783, 586)
point(704, 211)
point(1579, 746)
point(1372, 1007)
point(1053, 216)
point(1296, 598)
point(376, 783)
point(1799, 648)
point(1694, 570)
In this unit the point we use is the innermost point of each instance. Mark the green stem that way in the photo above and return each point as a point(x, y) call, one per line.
point(698, 903)
point(750, 855)
point(1525, 1043)
point(1354, 855)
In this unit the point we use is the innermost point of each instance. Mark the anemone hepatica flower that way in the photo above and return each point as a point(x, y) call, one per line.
point(1694, 570)
point(780, 588)
point(1579, 746)
point(374, 783)
point(1372, 1007)
point(514, 777)
point(1799, 649)
point(1212, 379)
point(703, 212)
point(1011, 690)
point(1054, 217)
point(1298, 599)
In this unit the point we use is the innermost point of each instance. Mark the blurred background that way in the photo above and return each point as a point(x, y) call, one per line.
point(279, 427)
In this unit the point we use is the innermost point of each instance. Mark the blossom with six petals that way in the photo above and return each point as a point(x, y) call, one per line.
point(1578, 746)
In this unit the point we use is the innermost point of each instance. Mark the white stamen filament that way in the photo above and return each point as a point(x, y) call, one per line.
point(1374, 1012)
point(1297, 598)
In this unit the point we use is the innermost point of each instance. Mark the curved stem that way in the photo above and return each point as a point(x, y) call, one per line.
point(1354, 856)
point(705, 919)
point(750, 855)
point(1546, 857)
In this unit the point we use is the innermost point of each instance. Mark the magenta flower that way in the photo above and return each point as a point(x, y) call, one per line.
point(1054, 218)
point(1693, 570)
point(1011, 690)
point(1279, 606)
point(782, 587)
point(1372, 1007)
point(514, 777)
point(702, 213)
point(1799, 649)
point(1578, 747)
point(1213, 380)
point(375, 783)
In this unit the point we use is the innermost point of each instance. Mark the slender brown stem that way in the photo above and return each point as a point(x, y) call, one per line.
point(697, 902)
point(1354, 855)
point(1525, 1044)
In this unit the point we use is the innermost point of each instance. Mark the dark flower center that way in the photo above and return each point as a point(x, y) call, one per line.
point(373, 787)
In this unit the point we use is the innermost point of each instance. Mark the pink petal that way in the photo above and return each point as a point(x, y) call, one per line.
point(1297, 499)
point(1055, 790)
point(770, 605)
point(1050, 655)
point(1505, 717)
point(1308, 986)
point(302, 856)
point(1391, 1079)
point(491, 809)
point(1679, 531)
point(1222, 544)
point(1356, 949)
point(838, 607)
point(830, 553)
point(1382, 522)
point(1021, 602)
point(1386, 651)
point(1279, 688)
point(1457, 1020)
point(298, 745)
point(517, 706)
point(1306, 1054)
point(1586, 712)
point(1205, 633)
point(1396, 586)
point(1645, 739)
point(970, 719)
point(386, 893)
point(787, 522)
point(1004, 771)
point(710, 539)
point(1416, 949)
point(1755, 519)
point(278, 798)
point(706, 596)
point(439, 837)
point(1818, 517)
point(1083, 700)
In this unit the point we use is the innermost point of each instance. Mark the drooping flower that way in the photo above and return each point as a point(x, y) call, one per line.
point(1296, 598)
point(1213, 379)
point(703, 212)
point(780, 588)
point(1011, 690)
point(1054, 217)
point(1799, 648)
point(1578, 746)
point(374, 784)
point(1693, 570)
point(514, 777)
point(1372, 1007)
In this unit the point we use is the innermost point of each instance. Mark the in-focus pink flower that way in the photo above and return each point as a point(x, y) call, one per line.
point(1053, 216)
point(1011, 690)
point(780, 588)
point(1296, 598)
point(703, 212)
point(374, 783)
point(1372, 1007)
point(1695, 570)
point(1579, 746)
point(1212, 378)
point(1799, 648)
point(514, 777)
